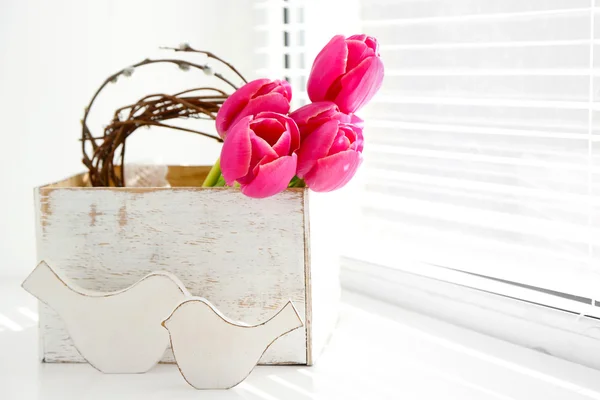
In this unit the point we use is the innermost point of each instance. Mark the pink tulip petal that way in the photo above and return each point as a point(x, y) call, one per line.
point(360, 85)
point(357, 51)
point(359, 143)
point(294, 134)
point(370, 41)
point(355, 136)
point(318, 109)
point(361, 37)
point(262, 153)
point(333, 172)
point(235, 103)
point(261, 149)
point(286, 89)
point(280, 86)
point(270, 114)
point(350, 175)
point(341, 143)
point(329, 64)
point(316, 146)
point(236, 152)
point(357, 121)
point(266, 89)
point(271, 178)
point(289, 126)
point(350, 131)
point(269, 129)
point(269, 102)
point(311, 116)
point(282, 147)
point(245, 179)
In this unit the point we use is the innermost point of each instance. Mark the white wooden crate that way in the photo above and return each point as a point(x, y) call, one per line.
point(247, 256)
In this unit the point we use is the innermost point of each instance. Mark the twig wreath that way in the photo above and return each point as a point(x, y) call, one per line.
point(202, 103)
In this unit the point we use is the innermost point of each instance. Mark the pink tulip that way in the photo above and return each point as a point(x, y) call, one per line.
point(347, 71)
point(254, 97)
point(313, 115)
point(259, 153)
point(329, 157)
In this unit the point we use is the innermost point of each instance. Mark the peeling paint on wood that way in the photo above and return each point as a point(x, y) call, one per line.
point(247, 256)
point(122, 216)
point(106, 239)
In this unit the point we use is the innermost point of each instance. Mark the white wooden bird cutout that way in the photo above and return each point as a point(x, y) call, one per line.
point(117, 332)
point(214, 352)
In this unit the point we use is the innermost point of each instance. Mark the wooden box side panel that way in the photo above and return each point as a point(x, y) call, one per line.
point(244, 255)
point(327, 224)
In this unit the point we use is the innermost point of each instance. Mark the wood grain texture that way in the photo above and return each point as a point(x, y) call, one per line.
point(308, 286)
point(246, 256)
point(79, 180)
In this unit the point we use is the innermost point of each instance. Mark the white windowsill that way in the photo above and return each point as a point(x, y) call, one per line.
point(562, 334)
point(378, 351)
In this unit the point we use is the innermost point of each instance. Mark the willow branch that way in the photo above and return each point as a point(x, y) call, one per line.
point(151, 110)
point(188, 49)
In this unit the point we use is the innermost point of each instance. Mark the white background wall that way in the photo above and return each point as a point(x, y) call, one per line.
point(54, 55)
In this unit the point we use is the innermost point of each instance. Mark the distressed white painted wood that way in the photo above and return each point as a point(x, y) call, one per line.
point(247, 256)
point(116, 332)
point(215, 352)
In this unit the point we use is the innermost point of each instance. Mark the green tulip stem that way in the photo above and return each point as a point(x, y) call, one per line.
point(213, 175)
point(296, 183)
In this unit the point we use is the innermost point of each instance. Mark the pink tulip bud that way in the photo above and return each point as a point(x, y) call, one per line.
point(329, 157)
point(252, 98)
point(313, 115)
point(259, 153)
point(347, 71)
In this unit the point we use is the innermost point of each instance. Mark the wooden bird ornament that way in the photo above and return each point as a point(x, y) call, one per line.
point(117, 332)
point(214, 352)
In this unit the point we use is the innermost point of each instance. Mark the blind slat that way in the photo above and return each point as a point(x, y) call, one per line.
point(486, 102)
point(488, 45)
point(483, 130)
point(493, 72)
point(497, 220)
point(390, 175)
point(484, 158)
point(506, 253)
point(476, 17)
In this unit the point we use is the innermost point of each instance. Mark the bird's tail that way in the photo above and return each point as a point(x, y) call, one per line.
point(46, 285)
point(287, 319)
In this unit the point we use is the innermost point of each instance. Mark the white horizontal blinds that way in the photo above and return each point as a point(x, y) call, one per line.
point(280, 36)
point(483, 146)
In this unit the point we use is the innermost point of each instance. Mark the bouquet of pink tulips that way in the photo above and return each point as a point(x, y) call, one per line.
point(266, 149)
